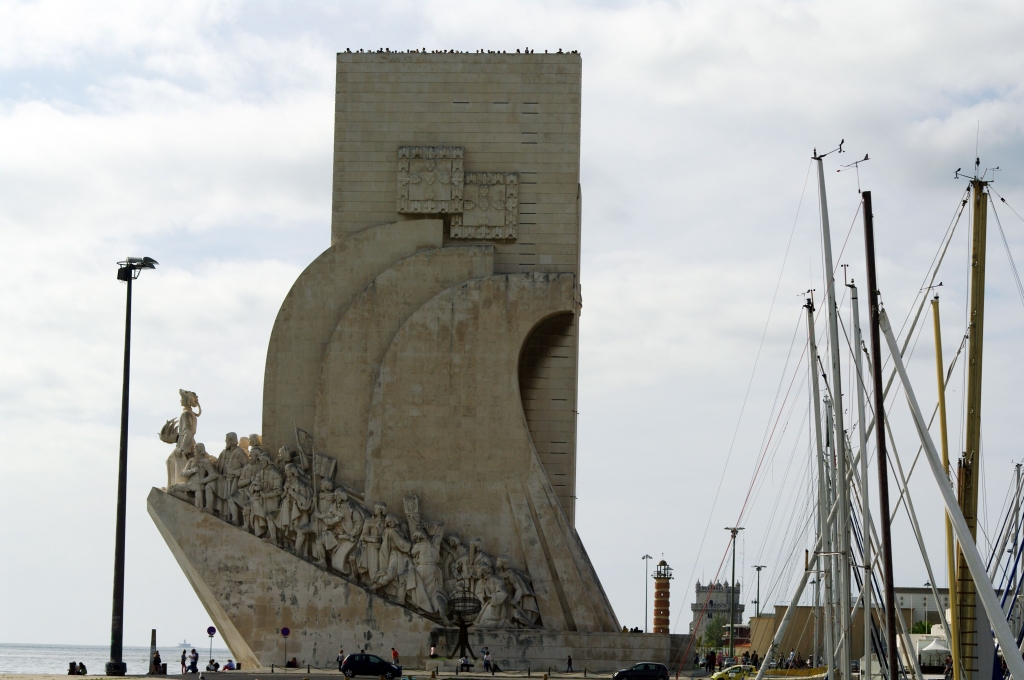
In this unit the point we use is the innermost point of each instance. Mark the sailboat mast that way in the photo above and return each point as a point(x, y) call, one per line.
point(970, 467)
point(865, 510)
point(954, 619)
point(883, 468)
point(823, 505)
point(842, 547)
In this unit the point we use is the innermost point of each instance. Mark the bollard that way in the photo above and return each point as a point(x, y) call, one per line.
point(527, 671)
point(307, 670)
point(584, 671)
point(433, 675)
point(271, 668)
point(545, 676)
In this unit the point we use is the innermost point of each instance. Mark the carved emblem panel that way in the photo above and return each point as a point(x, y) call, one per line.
point(490, 206)
point(482, 205)
point(430, 180)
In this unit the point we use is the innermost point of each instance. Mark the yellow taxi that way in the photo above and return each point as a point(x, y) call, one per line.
point(735, 673)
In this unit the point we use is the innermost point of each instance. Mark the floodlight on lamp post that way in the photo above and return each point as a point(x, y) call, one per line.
point(127, 271)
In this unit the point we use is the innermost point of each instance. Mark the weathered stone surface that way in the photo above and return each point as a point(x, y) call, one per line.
point(310, 313)
point(364, 333)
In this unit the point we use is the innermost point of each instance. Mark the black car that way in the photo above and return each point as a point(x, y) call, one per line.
point(643, 671)
point(368, 664)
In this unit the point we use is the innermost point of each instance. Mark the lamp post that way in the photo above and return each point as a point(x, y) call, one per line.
point(732, 593)
point(757, 602)
point(647, 572)
point(127, 271)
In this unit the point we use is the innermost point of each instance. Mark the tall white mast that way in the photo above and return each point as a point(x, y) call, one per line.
point(842, 547)
point(823, 504)
point(865, 511)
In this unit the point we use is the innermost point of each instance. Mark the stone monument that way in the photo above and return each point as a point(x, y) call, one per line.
point(417, 459)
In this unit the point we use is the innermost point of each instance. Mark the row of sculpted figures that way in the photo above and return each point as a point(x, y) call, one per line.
point(294, 502)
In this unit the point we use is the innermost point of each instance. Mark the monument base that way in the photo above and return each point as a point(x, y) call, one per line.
point(252, 589)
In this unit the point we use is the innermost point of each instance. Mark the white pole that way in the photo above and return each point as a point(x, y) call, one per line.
point(823, 504)
point(968, 548)
point(865, 507)
point(843, 521)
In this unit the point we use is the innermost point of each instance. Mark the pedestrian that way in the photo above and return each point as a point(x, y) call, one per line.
point(433, 652)
point(184, 666)
point(157, 662)
point(193, 658)
point(81, 668)
point(568, 665)
point(394, 656)
point(341, 658)
point(487, 660)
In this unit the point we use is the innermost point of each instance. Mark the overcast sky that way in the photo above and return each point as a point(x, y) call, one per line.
point(200, 134)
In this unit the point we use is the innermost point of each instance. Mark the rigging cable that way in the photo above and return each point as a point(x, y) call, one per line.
point(750, 383)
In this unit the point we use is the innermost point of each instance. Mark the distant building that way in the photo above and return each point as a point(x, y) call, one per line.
point(713, 601)
point(922, 602)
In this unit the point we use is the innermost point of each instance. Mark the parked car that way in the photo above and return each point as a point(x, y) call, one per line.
point(643, 671)
point(368, 664)
point(735, 673)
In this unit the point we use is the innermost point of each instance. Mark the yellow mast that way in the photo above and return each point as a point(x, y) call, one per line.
point(970, 463)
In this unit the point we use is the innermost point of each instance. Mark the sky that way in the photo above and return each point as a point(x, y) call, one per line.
point(200, 134)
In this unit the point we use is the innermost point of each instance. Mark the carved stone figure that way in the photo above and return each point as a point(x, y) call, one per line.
point(181, 432)
point(455, 564)
point(255, 441)
point(201, 477)
point(242, 497)
point(343, 524)
point(271, 483)
point(493, 596)
point(260, 527)
point(370, 541)
point(231, 461)
point(395, 564)
point(522, 603)
point(296, 502)
point(429, 594)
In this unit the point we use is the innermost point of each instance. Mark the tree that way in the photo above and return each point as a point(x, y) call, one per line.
point(714, 631)
point(921, 627)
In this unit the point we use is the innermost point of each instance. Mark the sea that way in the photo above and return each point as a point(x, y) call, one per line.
point(15, 658)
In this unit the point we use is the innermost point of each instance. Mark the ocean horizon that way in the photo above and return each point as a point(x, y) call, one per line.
point(54, 659)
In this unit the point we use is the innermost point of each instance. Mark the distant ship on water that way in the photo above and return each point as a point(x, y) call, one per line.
point(184, 643)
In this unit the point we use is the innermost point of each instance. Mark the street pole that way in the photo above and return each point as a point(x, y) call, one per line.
point(757, 602)
point(127, 272)
point(647, 566)
point(732, 594)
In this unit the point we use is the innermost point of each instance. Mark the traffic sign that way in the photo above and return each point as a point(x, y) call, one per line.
point(285, 632)
point(211, 631)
